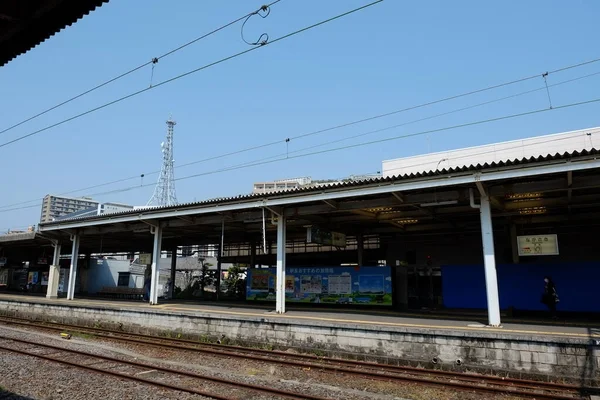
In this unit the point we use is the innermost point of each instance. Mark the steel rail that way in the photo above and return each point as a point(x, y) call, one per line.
point(469, 382)
point(258, 388)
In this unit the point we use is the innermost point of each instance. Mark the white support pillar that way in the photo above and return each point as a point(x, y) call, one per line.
point(280, 286)
point(54, 273)
point(73, 270)
point(489, 261)
point(155, 274)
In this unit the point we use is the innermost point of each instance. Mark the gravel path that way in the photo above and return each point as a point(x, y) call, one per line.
point(39, 379)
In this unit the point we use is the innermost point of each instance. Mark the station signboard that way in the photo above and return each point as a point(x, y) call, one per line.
point(538, 245)
point(145, 258)
point(334, 285)
point(320, 236)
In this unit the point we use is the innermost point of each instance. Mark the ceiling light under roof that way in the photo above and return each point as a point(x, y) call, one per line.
point(406, 221)
point(528, 195)
point(533, 210)
point(379, 209)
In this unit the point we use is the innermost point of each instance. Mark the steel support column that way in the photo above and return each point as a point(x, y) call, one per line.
point(173, 272)
point(489, 261)
point(219, 272)
point(280, 285)
point(54, 273)
point(73, 269)
point(360, 250)
point(155, 274)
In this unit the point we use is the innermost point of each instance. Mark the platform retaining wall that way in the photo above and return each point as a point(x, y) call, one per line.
point(575, 359)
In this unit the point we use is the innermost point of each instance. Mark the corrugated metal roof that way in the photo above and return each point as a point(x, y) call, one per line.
point(25, 24)
point(350, 184)
point(16, 237)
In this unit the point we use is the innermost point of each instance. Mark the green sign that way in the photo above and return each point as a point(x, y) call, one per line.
point(320, 236)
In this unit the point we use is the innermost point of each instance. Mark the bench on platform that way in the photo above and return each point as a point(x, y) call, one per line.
point(121, 292)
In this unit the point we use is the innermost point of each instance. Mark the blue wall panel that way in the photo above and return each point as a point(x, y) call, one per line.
point(521, 286)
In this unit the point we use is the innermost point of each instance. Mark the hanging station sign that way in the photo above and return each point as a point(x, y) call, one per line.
point(316, 235)
point(145, 258)
point(538, 245)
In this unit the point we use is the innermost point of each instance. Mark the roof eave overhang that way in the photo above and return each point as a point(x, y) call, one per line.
point(294, 199)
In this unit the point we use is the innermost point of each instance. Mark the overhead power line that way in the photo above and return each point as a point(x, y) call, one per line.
point(152, 62)
point(285, 158)
point(222, 60)
point(287, 153)
point(446, 113)
point(421, 133)
point(399, 111)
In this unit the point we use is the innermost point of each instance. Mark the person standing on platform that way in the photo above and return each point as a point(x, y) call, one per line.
point(550, 297)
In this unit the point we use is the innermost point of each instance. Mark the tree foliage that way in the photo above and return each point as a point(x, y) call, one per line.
point(235, 283)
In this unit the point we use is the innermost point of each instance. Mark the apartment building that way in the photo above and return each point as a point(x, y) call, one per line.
point(54, 207)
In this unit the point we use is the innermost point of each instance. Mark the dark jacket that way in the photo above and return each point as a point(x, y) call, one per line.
point(550, 296)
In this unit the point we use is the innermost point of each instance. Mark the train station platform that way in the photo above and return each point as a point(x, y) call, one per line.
point(523, 347)
point(451, 320)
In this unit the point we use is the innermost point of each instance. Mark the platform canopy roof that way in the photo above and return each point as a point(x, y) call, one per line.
point(26, 23)
point(549, 189)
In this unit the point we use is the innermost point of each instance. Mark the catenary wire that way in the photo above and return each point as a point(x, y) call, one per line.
point(445, 113)
point(320, 144)
point(177, 77)
point(420, 133)
point(378, 116)
point(124, 74)
point(186, 74)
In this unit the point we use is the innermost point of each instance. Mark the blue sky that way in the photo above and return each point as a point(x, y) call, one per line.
point(390, 56)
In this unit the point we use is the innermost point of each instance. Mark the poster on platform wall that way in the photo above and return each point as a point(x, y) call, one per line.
point(45, 278)
point(63, 280)
point(32, 278)
point(333, 285)
point(3, 277)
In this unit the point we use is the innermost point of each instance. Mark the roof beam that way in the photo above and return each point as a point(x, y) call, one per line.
point(398, 196)
point(189, 220)
point(331, 203)
point(569, 189)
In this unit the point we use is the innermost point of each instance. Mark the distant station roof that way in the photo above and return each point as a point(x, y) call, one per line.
point(532, 147)
point(25, 24)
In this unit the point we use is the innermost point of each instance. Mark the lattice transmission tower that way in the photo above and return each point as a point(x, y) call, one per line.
point(164, 193)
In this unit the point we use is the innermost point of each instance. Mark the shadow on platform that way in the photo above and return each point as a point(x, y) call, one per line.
point(6, 395)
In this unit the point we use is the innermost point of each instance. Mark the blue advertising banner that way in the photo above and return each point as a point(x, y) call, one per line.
point(339, 285)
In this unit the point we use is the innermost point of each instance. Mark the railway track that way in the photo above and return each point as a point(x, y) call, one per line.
point(89, 362)
point(447, 379)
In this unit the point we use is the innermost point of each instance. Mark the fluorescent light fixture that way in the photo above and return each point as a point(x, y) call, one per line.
point(519, 196)
point(439, 203)
point(379, 209)
point(406, 221)
point(533, 210)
